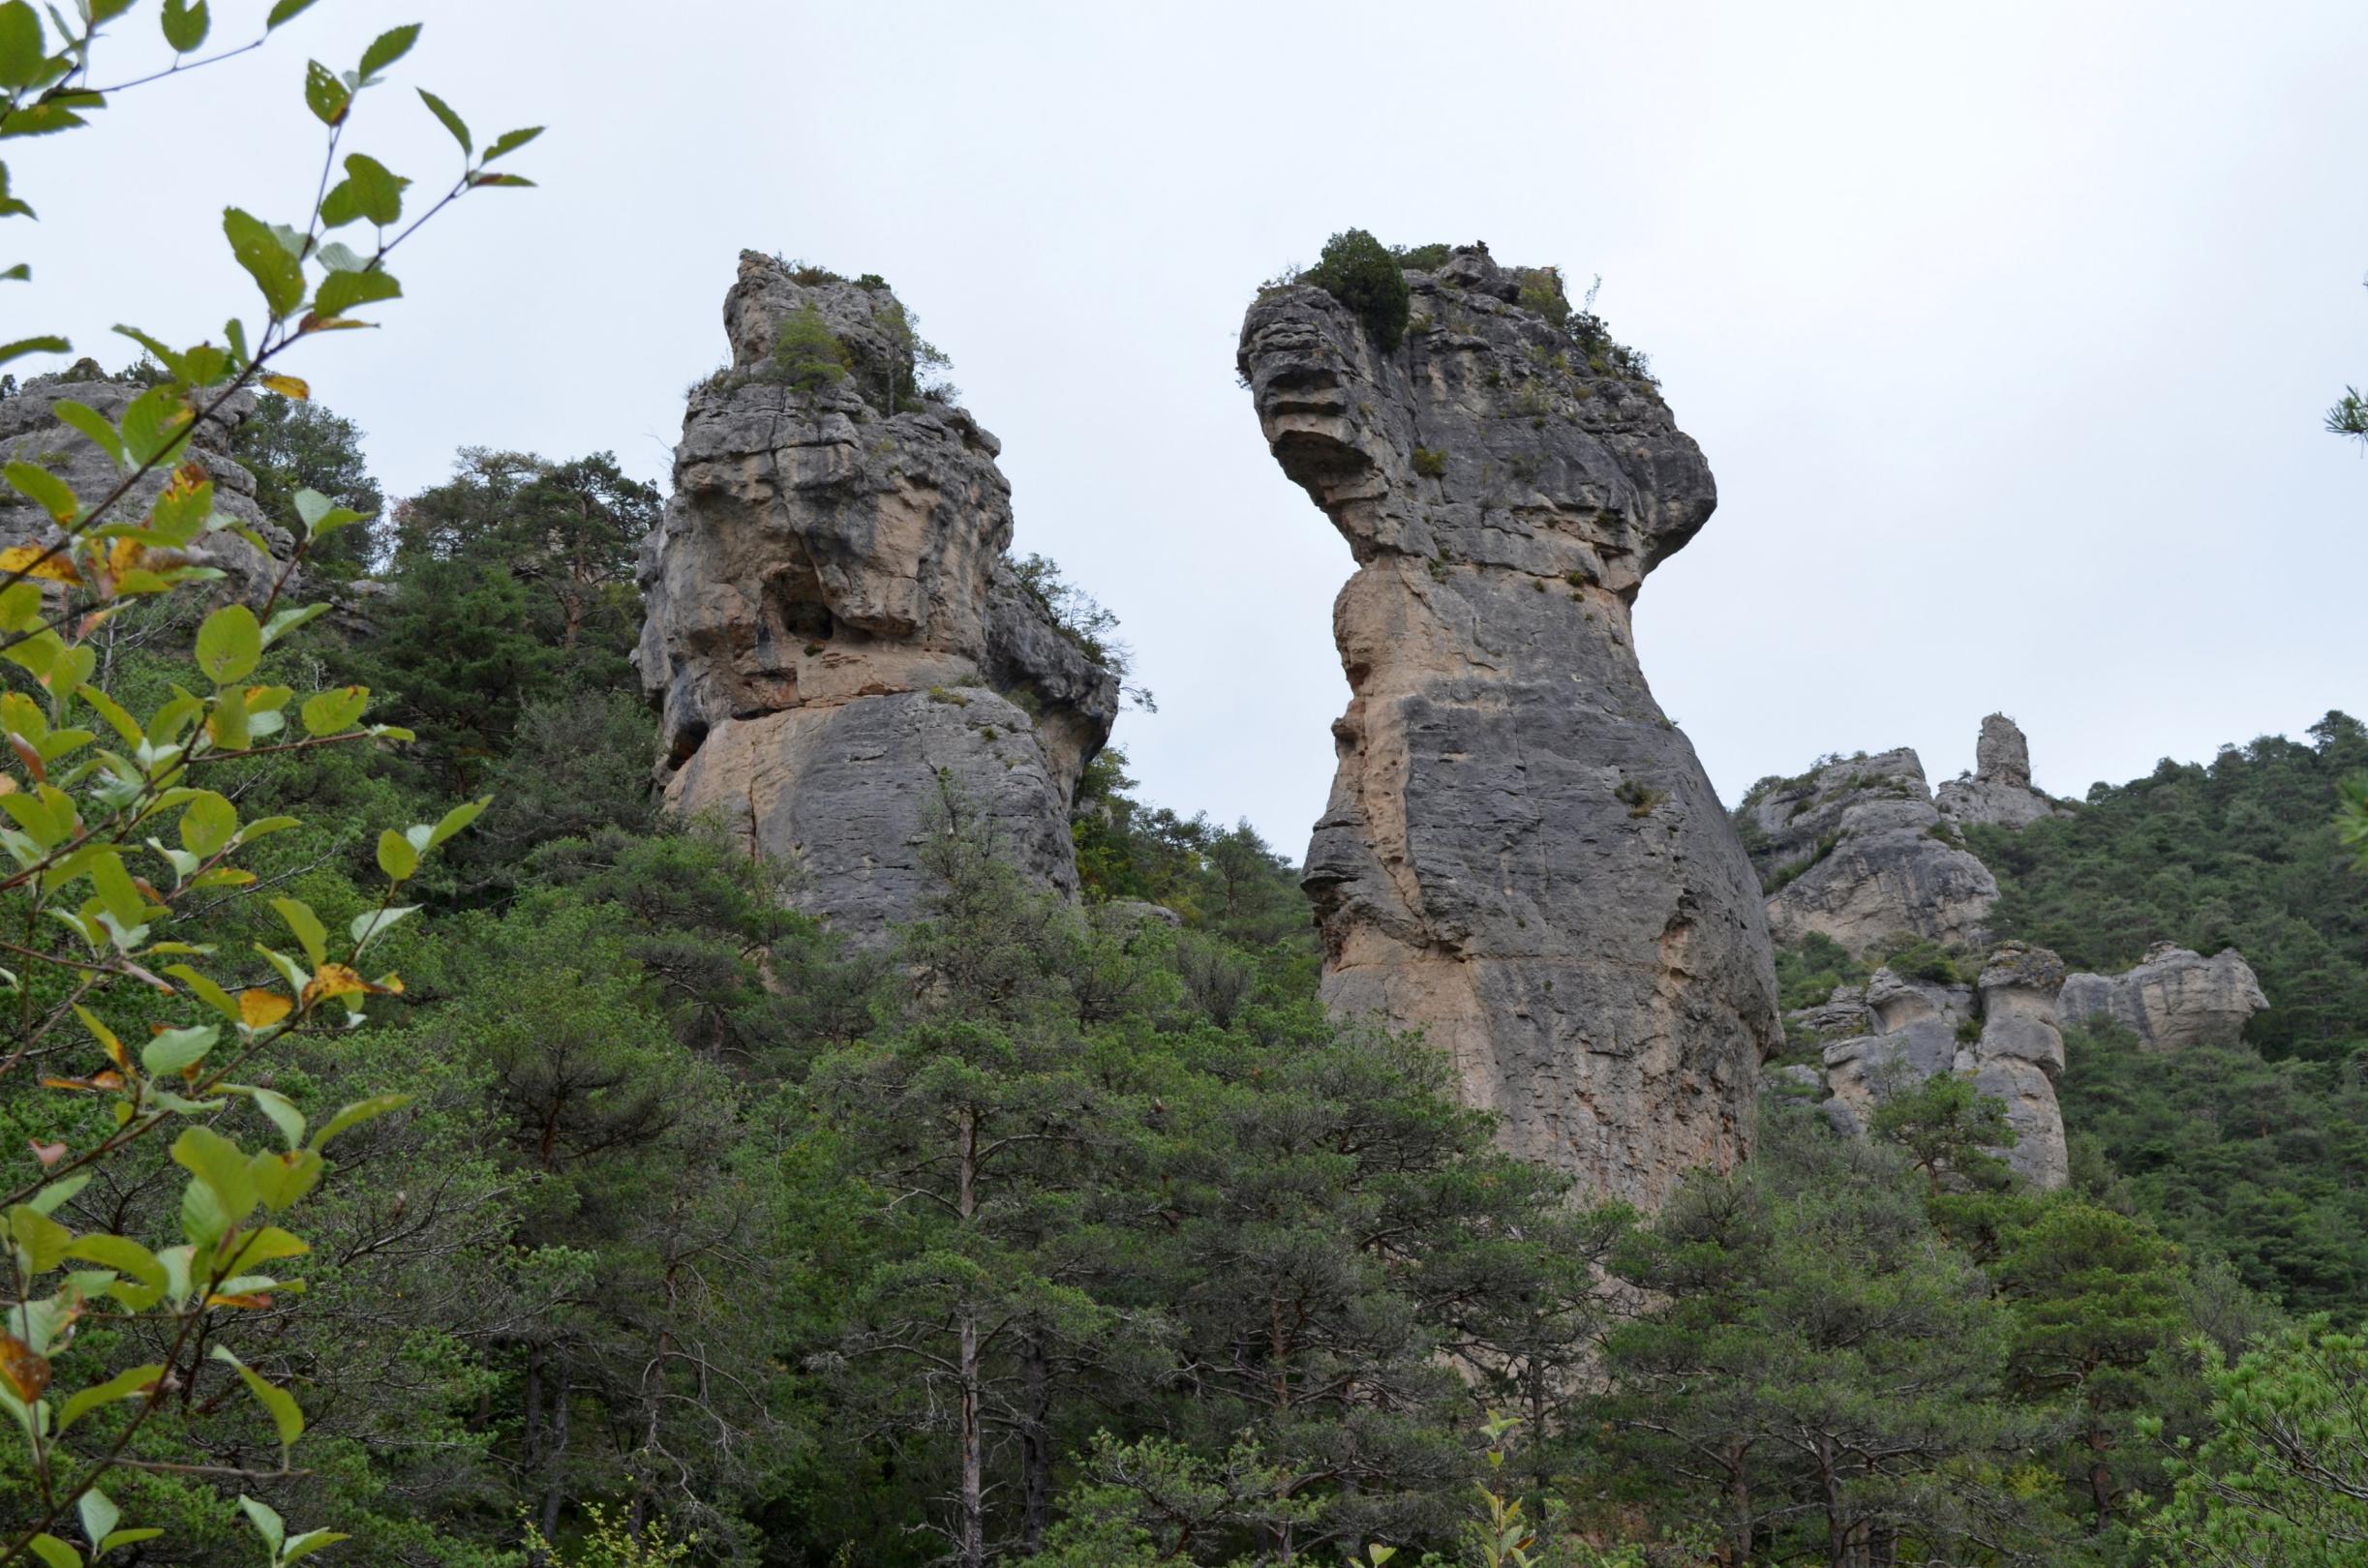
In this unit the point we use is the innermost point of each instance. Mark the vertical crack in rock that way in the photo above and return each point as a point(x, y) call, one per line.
point(832, 627)
point(1521, 855)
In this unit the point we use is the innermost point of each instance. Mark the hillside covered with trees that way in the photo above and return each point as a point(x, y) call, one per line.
point(424, 1149)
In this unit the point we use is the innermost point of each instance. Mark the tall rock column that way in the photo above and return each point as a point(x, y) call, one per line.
point(1521, 855)
point(833, 638)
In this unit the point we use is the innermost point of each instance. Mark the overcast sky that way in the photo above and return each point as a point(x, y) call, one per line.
point(2007, 329)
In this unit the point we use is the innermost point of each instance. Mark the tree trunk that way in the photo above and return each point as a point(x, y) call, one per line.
point(1739, 1508)
point(972, 1549)
point(1036, 1446)
point(554, 1494)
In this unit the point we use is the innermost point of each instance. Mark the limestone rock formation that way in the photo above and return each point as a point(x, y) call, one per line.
point(31, 431)
point(1856, 850)
point(833, 631)
point(2174, 999)
point(1521, 855)
point(2000, 791)
point(1920, 1028)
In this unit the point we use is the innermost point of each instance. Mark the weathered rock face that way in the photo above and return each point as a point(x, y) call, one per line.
point(1521, 855)
point(2174, 999)
point(1856, 850)
point(832, 627)
point(1920, 1028)
point(30, 430)
point(2020, 1055)
point(2000, 791)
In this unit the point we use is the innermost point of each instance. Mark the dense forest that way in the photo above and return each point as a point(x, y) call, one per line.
point(536, 1188)
point(669, 1250)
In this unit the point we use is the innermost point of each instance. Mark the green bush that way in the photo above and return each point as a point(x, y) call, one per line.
point(808, 354)
point(1424, 257)
point(1357, 270)
point(1430, 462)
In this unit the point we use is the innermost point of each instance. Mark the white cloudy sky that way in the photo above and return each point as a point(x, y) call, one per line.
point(2007, 329)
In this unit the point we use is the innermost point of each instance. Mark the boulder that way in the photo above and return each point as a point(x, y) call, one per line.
point(1855, 850)
point(839, 651)
point(1999, 791)
point(2173, 999)
point(1521, 855)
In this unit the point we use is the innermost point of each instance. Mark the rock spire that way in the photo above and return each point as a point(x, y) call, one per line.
point(1521, 855)
point(834, 639)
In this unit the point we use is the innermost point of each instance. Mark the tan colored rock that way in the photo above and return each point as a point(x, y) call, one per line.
point(836, 642)
point(2174, 999)
point(1521, 855)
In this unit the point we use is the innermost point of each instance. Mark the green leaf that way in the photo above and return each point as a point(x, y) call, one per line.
point(207, 991)
point(324, 94)
point(451, 121)
point(343, 292)
point(370, 189)
point(91, 422)
point(176, 1049)
point(125, 1256)
point(99, 1515)
point(24, 59)
point(285, 1417)
point(355, 1114)
point(458, 818)
point(310, 932)
point(266, 1521)
point(284, 1178)
point(217, 1163)
point(153, 424)
point(310, 1542)
point(368, 928)
point(386, 48)
point(285, 10)
point(124, 1385)
point(208, 823)
point(509, 141)
point(396, 856)
point(54, 1552)
point(185, 26)
point(277, 273)
point(283, 622)
point(32, 346)
point(45, 490)
point(128, 1537)
point(333, 712)
point(42, 1239)
point(282, 1113)
point(116, 895)
point(230, 644)
point(50, 1198)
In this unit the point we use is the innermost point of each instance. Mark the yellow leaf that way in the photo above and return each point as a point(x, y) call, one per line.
point(32, 560)
point(28, 1374)
point(251, 1299)
point(333, 980)
point(288, 386)
point(261, 1009)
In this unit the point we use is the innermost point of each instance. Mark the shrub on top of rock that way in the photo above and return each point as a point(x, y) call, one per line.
point(808, 354)
point(1359, 271)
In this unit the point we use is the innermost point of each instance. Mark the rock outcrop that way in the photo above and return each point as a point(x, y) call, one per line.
point(1856, 850)
point(834, 639)
point(31, 431)
point(2000, 1031)
point(1521, 855)
point(2176, 998)
point(2000, 791)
